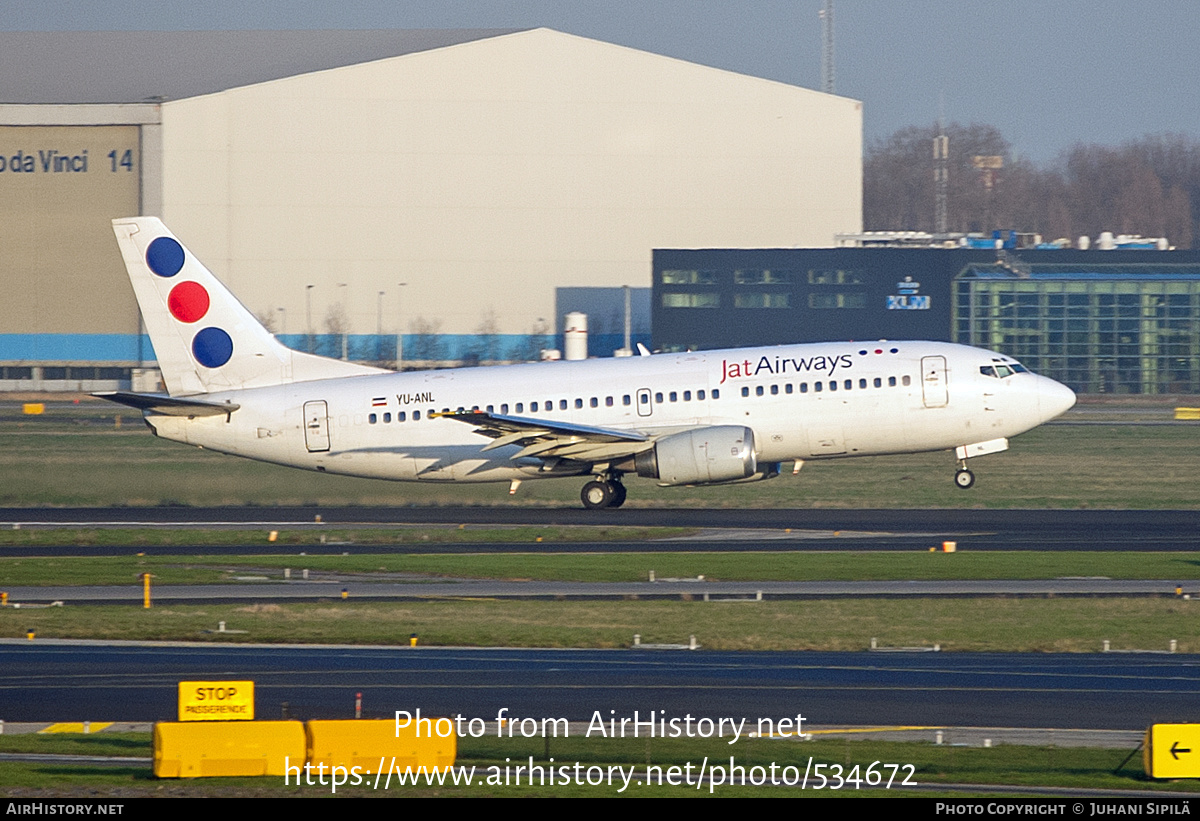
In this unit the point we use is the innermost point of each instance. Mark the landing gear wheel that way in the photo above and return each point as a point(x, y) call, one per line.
point(619, 494)
point(597, 495)
point(964, 478)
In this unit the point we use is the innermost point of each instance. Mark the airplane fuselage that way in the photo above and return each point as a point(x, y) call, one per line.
point(801, 402)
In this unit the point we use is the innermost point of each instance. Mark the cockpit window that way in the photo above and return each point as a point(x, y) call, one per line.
point(1002, 371)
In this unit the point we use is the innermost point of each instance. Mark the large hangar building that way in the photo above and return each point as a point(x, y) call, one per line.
point(384, 184)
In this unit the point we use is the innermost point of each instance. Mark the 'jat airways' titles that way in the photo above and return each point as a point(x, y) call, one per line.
point(781, 365)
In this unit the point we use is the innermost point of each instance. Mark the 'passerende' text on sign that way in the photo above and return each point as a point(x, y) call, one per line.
point(216, 700)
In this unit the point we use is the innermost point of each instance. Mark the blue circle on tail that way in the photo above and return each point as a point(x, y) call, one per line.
point(212, 347)
point(165, 256)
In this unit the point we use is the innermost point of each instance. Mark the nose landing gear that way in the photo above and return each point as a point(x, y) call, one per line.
point(963, 478)
point(603, 492)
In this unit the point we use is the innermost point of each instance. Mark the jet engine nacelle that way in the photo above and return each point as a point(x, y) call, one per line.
point(723, 453)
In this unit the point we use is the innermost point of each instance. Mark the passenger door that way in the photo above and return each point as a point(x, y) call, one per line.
point(316, 426)
point(933, 381)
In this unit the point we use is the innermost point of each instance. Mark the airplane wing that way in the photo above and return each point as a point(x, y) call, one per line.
point(168, 406)
point(546, 439)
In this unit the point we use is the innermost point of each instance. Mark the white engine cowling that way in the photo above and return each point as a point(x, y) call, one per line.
point(723, 453)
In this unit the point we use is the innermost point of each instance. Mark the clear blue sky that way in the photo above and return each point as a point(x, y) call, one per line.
point(1047, 73)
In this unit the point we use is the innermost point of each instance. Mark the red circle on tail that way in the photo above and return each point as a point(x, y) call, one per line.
point(188, 301)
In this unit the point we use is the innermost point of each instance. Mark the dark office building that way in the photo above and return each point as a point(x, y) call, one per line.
point(1099, 321)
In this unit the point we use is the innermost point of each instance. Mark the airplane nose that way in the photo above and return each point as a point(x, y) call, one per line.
point(1054, 398)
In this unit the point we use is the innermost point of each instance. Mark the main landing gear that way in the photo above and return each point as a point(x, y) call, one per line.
point(602, 493)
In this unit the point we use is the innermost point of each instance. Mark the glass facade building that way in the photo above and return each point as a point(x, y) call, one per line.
point(1098, 329)
point(1120, 322)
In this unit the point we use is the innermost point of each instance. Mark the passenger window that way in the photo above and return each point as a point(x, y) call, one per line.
point(579, 404)
point(387, 417)
point(687, 396)
point(700, 395)
point(562, 404)
point(832, 384)
point(848, 384)
point(788, 387)
point(504, 408)
point(745, 391)
point(608, 401)
point(372, 418)
point(658, 397)
point(818, 386)
point(533, 406)
point(491, 409)
point(906, 380)
point(674, 396)
point(716, 393)
point(774, 390)
point(878, 382)
point(520, 407)
point(891, 381)
point(758, 391)
point(416, 415)
point(595, 403)
point(401, 416)
point(625, 400)
point(862, 383)
point(803, 387)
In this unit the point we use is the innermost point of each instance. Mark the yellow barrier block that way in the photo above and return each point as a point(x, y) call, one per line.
point(34, 408)
point(193, 750)
point(362, 744)
point(1187, 413)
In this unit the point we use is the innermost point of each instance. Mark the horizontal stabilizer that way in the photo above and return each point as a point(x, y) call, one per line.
point(167, 406)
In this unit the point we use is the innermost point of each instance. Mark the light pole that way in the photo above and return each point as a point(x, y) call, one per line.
point(400, 326)
point(308, 315)
point(346, 327)
point(379, 328)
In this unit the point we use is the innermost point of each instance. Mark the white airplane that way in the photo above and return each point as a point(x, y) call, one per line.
point(700, 418)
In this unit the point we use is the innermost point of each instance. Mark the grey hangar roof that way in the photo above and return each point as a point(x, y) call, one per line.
point(74, 67)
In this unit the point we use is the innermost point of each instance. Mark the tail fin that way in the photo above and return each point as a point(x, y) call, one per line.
point(204, 339)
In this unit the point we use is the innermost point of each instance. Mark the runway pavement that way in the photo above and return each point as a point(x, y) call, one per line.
point(50, 681)
point(265, 590)
point(1174, 530)
point(128, 681)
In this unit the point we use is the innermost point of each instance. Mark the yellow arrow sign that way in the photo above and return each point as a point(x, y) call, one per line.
point(1172, 751)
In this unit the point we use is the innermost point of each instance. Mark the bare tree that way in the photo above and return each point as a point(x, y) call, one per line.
point(1149, 186)
point(267, 320)
point(337, 326)
point(487, 336)
point(427, 346)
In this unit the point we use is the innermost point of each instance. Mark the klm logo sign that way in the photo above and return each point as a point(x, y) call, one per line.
point(909, 298)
